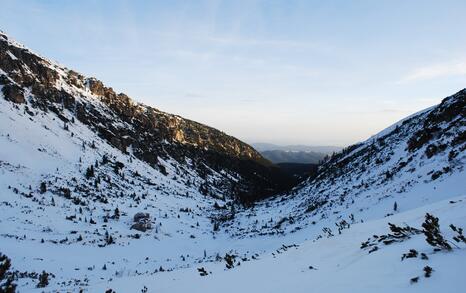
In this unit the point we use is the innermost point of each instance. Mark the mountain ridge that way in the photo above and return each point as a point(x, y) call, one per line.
point(261, 146)
point(151, 134)
point(279, 156)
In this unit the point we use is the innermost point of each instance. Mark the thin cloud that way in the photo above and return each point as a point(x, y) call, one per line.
point(371, 112)
point(229, 40)
point(437, 70)
point(263, 42)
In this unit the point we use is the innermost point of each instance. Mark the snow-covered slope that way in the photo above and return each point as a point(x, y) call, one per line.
point(79, 162)
point(335, 264)
point(417, 161)
point(225, 165)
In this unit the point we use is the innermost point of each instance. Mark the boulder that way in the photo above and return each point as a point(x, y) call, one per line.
point(141, 216)
point(141, 226)
point(141, 222)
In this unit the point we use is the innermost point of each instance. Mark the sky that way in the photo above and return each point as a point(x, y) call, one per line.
point(284, 72)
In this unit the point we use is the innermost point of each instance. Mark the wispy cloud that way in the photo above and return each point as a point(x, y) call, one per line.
point(374, 112)
point(228, 40)
point(264, 42)
point(452, 68)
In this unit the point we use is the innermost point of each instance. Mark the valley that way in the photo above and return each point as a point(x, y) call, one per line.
point(100, 193)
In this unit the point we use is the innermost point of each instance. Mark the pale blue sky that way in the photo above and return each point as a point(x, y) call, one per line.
point(288, 72)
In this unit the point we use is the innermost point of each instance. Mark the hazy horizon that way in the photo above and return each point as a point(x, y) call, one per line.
point(287, 73)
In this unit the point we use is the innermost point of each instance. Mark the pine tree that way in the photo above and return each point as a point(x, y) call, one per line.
point(432, 232)
point(43, 187)
point(6, 278)
point(90, 172)
point(43, 280)
point(216, 226)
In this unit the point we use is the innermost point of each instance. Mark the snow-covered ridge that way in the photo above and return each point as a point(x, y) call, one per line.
point(421, 159)
point(78, 85)
point(151, 135)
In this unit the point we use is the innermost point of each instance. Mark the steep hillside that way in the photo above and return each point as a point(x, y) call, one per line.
point(38, 86)
point(337, 228)
point(418, 160)
point(88, 176)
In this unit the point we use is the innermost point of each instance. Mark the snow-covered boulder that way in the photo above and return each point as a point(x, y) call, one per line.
point(142, 222)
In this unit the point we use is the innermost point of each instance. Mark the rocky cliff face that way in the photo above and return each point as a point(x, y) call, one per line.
point(145, 132)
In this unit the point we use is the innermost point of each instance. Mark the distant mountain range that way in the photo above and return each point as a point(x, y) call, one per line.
point(261, 146)
point(302, 154)
point(279, 156)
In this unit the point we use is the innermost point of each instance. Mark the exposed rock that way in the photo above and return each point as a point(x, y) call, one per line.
point(13, 93)
point(141, 222)
point(141, 217)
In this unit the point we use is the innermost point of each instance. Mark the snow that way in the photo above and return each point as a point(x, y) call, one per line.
point(339, 264)
point(399, 123)
point(37, 148)
point(276, 241)
point(34, 149)
point(13, 57)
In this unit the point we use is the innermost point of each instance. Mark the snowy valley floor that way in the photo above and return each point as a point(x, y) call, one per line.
point(335, 264)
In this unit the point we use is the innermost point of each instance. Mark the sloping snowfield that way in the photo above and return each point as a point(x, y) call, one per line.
point(335, 264)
